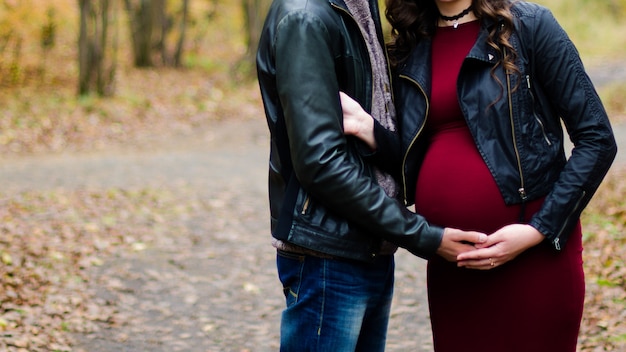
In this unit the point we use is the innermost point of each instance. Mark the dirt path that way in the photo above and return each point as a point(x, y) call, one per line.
point(213, 288)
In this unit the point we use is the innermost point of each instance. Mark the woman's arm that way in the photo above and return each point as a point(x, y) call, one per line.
point(383, 144)
point(560, 73)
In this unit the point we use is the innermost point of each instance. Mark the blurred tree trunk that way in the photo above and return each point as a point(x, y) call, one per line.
point(97, 47)
point(178, 51)
point(48, 40)
point(142, 16)
point(151, 26)
point(254, 12)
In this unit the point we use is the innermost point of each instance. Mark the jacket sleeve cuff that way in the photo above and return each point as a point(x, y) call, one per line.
point(556, 242)
point(386, 155)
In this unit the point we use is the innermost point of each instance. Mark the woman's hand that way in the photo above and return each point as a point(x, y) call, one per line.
point(501, 246)
point(356, 121)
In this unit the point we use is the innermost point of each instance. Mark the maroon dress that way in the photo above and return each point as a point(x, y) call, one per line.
point(533, 303)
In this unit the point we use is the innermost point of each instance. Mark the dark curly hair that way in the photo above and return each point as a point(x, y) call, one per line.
point(413, 20)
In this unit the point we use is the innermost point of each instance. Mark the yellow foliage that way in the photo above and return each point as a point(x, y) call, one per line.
point(24, 18)
point(23, 27)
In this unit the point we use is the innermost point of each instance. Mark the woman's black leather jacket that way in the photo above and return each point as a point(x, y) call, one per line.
point(519, 136)
point(308, 52)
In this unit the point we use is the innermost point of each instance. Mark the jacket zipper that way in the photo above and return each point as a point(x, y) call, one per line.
point(521, 190)
point(305, 207)
point(557, 239)
point(532, 97)
point(404, 182)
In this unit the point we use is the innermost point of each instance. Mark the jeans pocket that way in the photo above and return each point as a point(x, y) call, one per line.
point(290, 267)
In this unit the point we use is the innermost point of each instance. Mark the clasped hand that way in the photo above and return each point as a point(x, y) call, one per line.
point(500, 247)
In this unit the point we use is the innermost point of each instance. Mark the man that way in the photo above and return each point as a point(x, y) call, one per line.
point(336, 220)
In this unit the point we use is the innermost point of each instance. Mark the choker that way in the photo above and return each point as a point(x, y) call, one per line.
point(455, 18)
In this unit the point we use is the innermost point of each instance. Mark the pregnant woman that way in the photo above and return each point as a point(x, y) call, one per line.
point(481, 90)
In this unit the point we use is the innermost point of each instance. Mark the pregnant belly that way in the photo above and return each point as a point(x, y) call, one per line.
point(455, 188)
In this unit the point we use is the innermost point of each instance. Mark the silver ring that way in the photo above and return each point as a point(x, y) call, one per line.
point(491, 262)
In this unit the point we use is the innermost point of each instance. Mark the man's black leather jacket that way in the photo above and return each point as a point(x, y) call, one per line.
point(309, 51)
point(520, 136)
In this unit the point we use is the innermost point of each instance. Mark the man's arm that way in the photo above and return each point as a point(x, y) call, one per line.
point(308, 90)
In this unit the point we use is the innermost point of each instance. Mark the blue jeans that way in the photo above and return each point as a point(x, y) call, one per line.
point(334, 305)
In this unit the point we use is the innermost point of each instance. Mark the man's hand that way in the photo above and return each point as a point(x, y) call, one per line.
point(455, 242)
point(501, 246)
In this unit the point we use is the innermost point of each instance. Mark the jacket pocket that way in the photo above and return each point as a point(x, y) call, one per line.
point(536, 125)
point(315, 216)
point(535, 110)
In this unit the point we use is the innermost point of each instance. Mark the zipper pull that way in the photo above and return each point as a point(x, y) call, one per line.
point(528, 81)
point(522, 209)
point(522, 193)
point(557, 244)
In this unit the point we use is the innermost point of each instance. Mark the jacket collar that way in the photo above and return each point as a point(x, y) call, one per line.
point(374, 9)
point(417, 65)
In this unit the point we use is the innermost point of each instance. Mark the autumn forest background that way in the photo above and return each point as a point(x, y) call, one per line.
point(86, 76)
